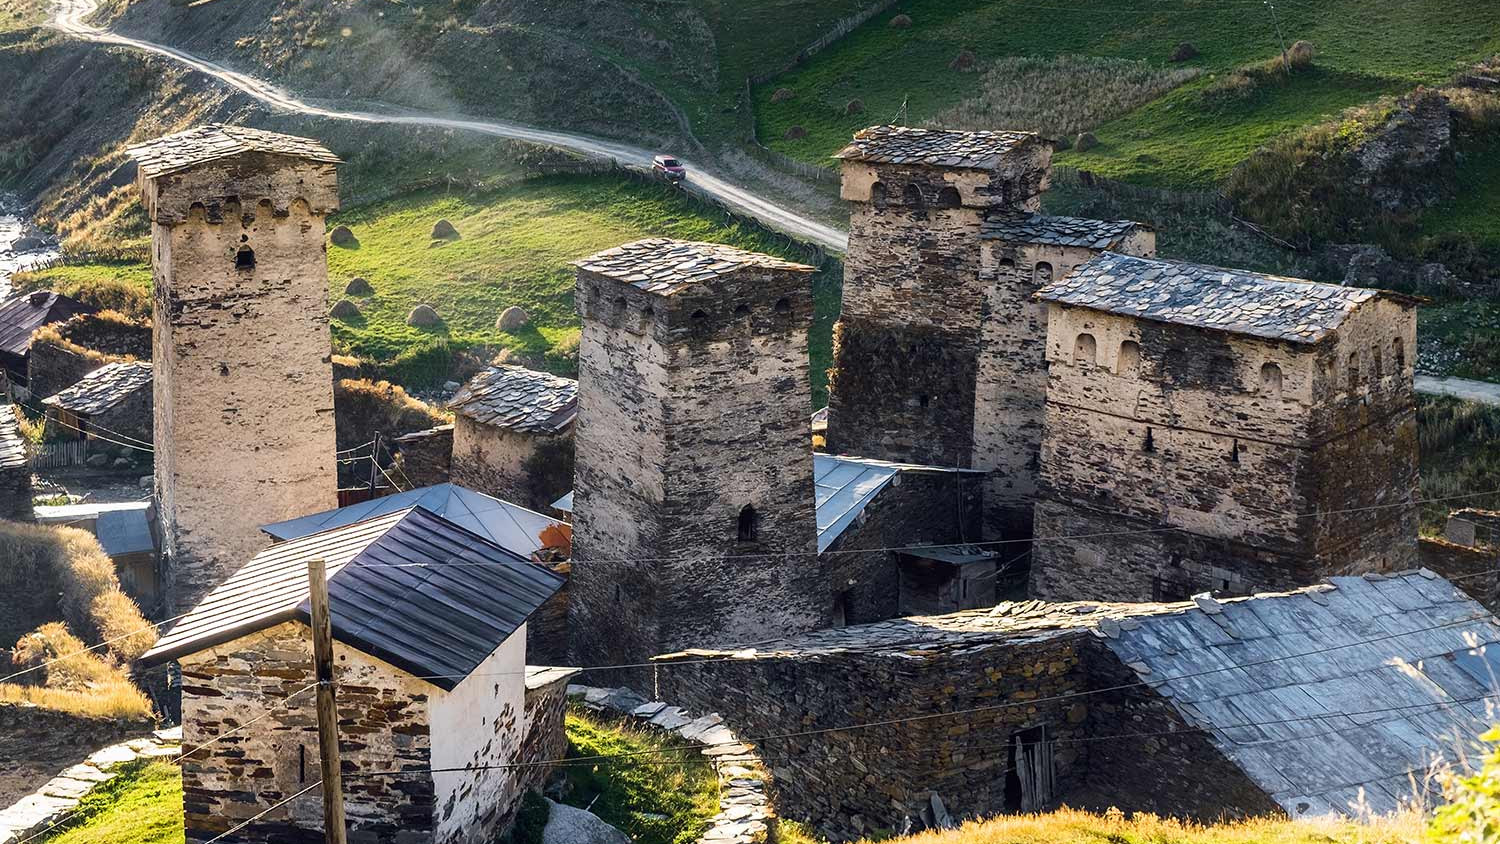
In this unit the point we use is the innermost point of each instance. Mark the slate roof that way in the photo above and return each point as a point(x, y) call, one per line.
point(1351, 686)
point(22, 315)
point(510, 526)
point(518, 398)
point(103, 388)
point(12, 444)
point(1058, 231)
point(1234, 301)
point(933, 147)
point(215, 141)
point(458, 599)
point(663, 266)
point(125, 531)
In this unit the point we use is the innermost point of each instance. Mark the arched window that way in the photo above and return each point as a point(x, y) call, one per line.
point(1353, 370)
point(742, 310)
point(913, 196)
point(749, 524)
point(1399, 354)
point(1085, 350)
point(1129, 361)
point(783, 305)
point(244, 259)
point(948, 198)
point(1270, 379)
point(699, 316)
point(877, 194)
point(1042, 274)
point(619, 304)
point(1377, 367)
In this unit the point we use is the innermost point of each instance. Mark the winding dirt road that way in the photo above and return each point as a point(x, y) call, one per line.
point(70, 18)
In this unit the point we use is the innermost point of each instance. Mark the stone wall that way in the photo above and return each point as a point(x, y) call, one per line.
point(1474, 528)
point(545, 739)
point(529, 469)
point(81, 345)
point(16, 493)
point(426, 456)
point(244, 384)
point(383, 726)
point(1474, 570)
point(924, 508)
point(132, 417)
point(693, 408)
point(548, 636)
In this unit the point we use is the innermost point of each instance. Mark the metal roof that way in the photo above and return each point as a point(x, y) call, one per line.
point(22, 315)
point(1386, 675)
point(216, 141)
point(1235, 301)
point(508, 525)
point(125, 530)
point(104, 387)
point(409, 587)
point(12, 444)
point(952, 554)
point(663, 266)
point(518, 398)
point(1058, 231)
point(933, 147)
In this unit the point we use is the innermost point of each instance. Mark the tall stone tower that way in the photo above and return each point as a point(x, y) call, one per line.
point(694, 508)
point(243, 378)
point(938, 352)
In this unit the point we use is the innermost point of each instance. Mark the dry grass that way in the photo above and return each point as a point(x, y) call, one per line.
point(78, 682)
point(117, 698)
point(1060, 96)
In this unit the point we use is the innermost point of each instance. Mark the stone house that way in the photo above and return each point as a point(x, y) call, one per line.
point(693, 475)
point(244, 379)
point(62, 354)
point(513, 434)
point(1220, 430)
point(425, 457)
point(126, 534)
point(431, 673)
point(1322, 700)
point(112, 402)
point(15, 469)
point(20, 317)
point(938, 348)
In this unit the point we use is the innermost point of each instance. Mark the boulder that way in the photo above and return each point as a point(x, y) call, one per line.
point(97, 461)
point(569, 825)
point(344, 309)
point(1183, 52)
point(512, 319)
point(358, 286)
point(341, 236)
point(122, 463)
point(1085, 141)
point(147, 482)
point(901, 22)
point(423, 316)
point(27, 244)
point(444, 230)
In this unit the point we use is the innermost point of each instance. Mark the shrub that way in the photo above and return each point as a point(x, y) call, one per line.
point(1472, 812)
point(531, 819)
point(1085, 142)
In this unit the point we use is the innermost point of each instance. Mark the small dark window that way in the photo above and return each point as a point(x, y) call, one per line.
point(617, 593)
point(877, 194)
point(1085, 350)
point(948, 198)
point(1270, 379)
point(620, 305)
point(913, 196)
point(699, 316)
point(1150, 443)
point(749, 524)
point(742, 310)
point(1234, 452)
point(648, 312)
point(301, 763)
point(923, 400)
point(244, 259)
point(1378, 367)
point(1400, 355)
point(1353, 370)
point(783, 306)
point(1042, 273)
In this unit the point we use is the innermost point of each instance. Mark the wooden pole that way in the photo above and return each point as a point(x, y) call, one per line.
point(334, 830)
point(374, 461)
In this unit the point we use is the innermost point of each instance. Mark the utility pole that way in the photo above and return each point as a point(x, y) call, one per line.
point(1286, 60)
point(374, 461)
point(334, 830)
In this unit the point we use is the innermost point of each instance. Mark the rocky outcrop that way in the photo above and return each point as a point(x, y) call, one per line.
point(1399, 160)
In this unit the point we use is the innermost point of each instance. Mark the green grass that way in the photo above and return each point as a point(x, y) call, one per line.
point(1459, 457)
point(1363, 50)
point(655, 798)
point(1460, 337)
point(143, 805)
point(1473, 212)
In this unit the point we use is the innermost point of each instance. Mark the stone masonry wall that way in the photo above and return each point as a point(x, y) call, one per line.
point(131, 417)
point(545, 739)
point(244, 385)
point(1474, 570)
point(924, 508)
point(426, 456)
point(692, 408)
point(383, 726)
point(532, 470)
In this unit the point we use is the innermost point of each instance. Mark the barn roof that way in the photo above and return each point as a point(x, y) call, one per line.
point(216, 141)
point(104, 387)
point(1201, 296)
point(664, 266)
point(518, 398)
point(933, 147)
point(21, 316)
point(510, 526)
point(408, 587)
point(1058, 231)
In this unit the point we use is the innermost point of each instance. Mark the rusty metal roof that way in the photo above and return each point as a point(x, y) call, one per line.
point(1058, 231)
point(518, 398)
point(216, 141)
point(933, 147)
point(664, 266)
point(1201, 296)
point(409, 587)
point(104, 387)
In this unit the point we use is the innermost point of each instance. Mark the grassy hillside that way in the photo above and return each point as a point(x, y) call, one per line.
point(142, 806)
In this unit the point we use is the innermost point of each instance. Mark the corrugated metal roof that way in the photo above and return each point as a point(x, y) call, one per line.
point(22, 315)
point(409, 587)
point(125, 530)
point(508, 525)
point(215, 141)
point(1329, 723)
point(12, 444)
point(104, 387)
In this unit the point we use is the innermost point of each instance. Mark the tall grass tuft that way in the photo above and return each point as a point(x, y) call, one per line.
point(1060, 96)
point(78, 682)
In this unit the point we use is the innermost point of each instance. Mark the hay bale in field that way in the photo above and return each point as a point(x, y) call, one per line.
point(358, 286)
point(781, 95)
point(795, 133)
point(901, 22)
point(342, 237)
point(512, 319)
point(1183, 52)
point(854, 107)
point(1085, 141)
point(964, 61)
point(344, 309)
point(444, 230)
point(1301, 55)
point(423, 316)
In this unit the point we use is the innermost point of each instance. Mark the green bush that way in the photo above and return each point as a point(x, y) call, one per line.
point(1472, 813)
point(531, 819)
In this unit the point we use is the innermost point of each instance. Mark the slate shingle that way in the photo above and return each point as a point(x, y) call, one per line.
point(933, 147)
point(214, 141)
point(1058, 231)
point(103, 388)
point(518, 398)
point(664, 266)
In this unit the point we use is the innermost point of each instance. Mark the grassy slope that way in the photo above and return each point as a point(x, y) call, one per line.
point(141, 806)
point(1364, 50)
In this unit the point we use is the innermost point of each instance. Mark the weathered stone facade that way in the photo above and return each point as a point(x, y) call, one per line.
point(426, 456)
point(694, 481)
point(1474, 527)
point(530, 469)
point(81, 345)
point(1476, 570)
point(244, 385)
point(1191, 457)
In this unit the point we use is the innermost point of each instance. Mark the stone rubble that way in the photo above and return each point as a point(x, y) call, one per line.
point(744, 809)
point(51, 803)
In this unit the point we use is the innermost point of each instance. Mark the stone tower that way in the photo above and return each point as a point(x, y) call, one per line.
point(694, 508)
point(243, 379)
point(938, 350)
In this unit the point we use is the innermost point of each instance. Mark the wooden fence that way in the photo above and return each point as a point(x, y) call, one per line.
point(58, 454)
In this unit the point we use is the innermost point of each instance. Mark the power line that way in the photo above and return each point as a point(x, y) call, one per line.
point(139, 442)
point(90, 648)
point(253, 818)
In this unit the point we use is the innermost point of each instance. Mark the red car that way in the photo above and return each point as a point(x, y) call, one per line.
point(668, 168)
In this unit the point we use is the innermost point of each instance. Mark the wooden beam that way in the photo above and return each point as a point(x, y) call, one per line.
point(334, 829)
